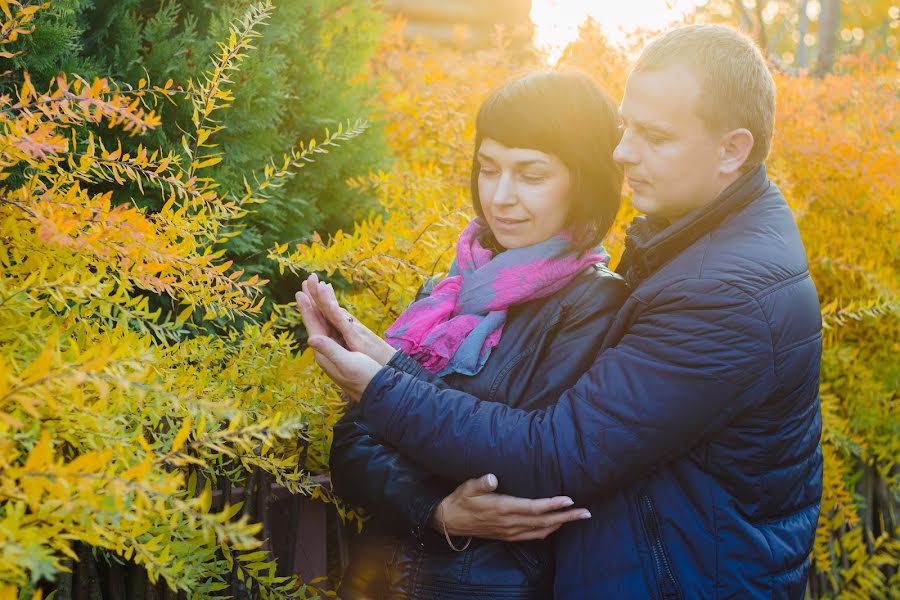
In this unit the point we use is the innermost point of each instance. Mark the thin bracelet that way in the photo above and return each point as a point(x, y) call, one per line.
point(447, 535)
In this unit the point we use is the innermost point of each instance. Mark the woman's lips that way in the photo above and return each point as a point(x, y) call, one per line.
point(507, 224)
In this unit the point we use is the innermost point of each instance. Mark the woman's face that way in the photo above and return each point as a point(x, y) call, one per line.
point(524, 193)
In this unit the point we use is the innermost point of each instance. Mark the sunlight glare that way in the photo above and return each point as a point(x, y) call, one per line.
point(556, 21)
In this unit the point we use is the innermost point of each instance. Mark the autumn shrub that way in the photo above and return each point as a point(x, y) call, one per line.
point(835, 157)
point(118, 419)
point(306, 74)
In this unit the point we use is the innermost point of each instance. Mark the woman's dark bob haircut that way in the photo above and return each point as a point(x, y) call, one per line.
point(566, 114)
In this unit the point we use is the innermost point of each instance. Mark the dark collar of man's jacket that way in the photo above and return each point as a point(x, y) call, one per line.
point(650, 241)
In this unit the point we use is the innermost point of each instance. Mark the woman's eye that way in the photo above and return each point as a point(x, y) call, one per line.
point(488, 171)
point(533, 178)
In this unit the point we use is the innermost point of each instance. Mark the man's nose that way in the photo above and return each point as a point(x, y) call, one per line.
point(624, 153)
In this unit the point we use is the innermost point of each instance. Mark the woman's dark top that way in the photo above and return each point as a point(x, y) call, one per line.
point(545, 346)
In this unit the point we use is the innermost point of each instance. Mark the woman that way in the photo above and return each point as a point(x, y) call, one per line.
point(521, 315)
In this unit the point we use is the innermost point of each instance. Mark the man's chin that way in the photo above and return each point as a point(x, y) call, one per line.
point(643, 204)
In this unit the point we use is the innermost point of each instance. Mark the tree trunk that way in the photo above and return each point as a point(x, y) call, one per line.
point(64, 581)
point(829, 23)
point(760, 30)
point(802, 59)
point(746, 23)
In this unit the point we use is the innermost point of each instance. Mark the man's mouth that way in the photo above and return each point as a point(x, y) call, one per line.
point(634, 182)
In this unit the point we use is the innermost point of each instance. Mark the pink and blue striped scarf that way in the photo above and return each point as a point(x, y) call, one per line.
point(455, 328)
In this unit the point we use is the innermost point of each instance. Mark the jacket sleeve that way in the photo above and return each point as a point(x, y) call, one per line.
point(368, 473)
point(697, 355)
point(371, 474)
point(404, 362)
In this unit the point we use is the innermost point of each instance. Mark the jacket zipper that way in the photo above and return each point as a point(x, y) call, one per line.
point(665, 577)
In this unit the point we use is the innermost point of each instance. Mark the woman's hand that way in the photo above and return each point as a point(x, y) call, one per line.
point(324, 316)
point(352, 371)
point(475, 509)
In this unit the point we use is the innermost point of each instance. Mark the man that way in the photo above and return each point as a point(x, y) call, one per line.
point(694, 437)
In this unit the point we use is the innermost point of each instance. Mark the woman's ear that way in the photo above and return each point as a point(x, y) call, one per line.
point(736, 147)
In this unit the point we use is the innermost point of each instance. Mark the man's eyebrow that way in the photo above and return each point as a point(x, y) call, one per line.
point(647, 126)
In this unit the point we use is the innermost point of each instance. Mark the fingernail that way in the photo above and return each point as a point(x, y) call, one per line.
point(567, 502)
point(491, 480)
point(314, 342)
point(584, 515)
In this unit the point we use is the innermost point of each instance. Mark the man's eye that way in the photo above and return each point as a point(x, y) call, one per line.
point(488, 171)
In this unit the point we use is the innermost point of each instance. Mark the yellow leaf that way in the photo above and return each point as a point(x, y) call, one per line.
point(182, 435)
point(41, 455)
point(202, 164)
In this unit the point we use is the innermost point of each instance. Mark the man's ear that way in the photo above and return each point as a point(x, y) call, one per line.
point(736, 147)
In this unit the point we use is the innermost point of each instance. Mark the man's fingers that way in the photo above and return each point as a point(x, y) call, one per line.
point(554, 519)
point(537, 528)
point(528, 507)
point(545, 505)
point(480, 486)
point(487, 483)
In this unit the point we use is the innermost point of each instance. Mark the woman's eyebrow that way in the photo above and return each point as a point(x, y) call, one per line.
point(531, 161)
point(519, 163)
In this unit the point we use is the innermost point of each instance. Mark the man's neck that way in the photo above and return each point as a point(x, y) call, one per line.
point(723, 184)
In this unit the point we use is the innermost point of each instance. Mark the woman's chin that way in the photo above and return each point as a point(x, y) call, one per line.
point(508, 242)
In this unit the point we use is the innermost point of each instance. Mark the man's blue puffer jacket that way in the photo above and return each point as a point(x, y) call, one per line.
point(693, 438)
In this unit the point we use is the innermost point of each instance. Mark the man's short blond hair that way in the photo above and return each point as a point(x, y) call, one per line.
point(736, 87)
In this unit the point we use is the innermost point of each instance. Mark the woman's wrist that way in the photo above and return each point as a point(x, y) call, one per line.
point(385, 353)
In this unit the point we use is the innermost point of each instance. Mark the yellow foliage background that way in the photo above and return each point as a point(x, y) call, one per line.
point(117, 422)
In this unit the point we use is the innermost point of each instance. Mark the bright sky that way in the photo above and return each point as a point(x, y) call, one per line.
point(556, 21)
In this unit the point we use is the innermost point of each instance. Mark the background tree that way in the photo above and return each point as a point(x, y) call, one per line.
point(309, 72)
point(118, 420)
point(829, 22)
point(798, 33)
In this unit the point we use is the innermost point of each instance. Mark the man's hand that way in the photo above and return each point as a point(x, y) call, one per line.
point(352, 371)
point(474, 509)
point(322, 313)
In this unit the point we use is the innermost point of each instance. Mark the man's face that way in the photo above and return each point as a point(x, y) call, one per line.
point(670, 157)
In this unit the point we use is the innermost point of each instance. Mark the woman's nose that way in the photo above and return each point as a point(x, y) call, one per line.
point(505, 193)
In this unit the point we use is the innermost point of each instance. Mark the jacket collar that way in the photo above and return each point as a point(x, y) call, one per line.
point(650, 242)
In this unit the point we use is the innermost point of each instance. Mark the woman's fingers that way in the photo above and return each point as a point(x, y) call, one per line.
point(342, 320)
point(312, 318)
